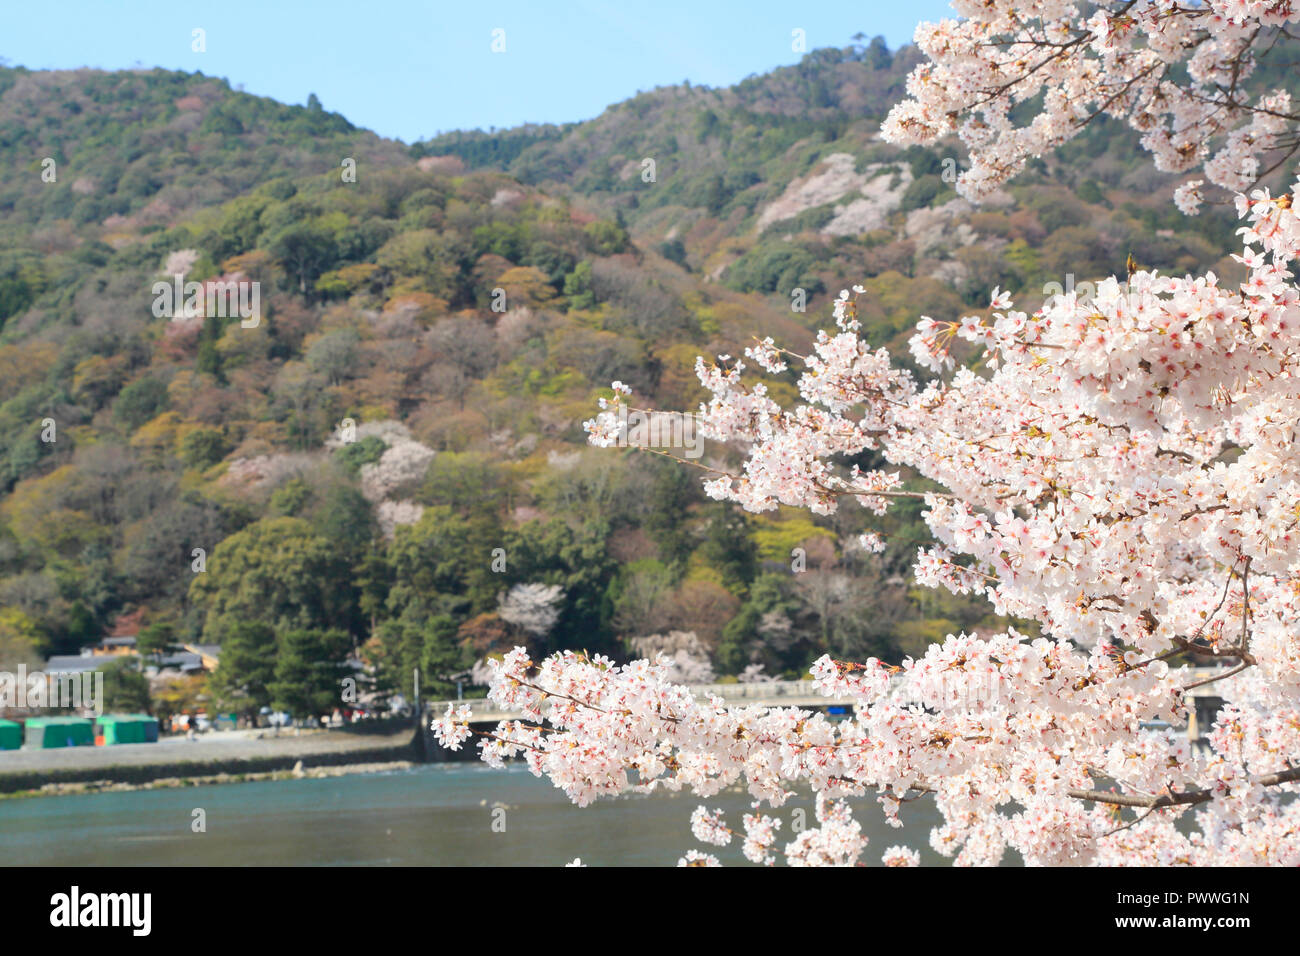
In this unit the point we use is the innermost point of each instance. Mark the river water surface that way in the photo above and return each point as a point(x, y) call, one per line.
point(449, 814)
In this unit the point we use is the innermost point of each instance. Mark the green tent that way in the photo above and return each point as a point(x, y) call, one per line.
point(11, 735)
point(48, 732)
point(125, 729)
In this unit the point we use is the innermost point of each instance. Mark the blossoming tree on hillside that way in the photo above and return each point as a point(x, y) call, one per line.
point(1125, 474)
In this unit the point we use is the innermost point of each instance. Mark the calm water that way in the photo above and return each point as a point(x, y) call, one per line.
point(436, 814)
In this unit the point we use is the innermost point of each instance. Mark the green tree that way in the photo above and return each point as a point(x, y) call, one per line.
point(158, 639)
point(278, 572)
point(742, 643)
point(577, 287)
point(374, 577)
point(344, 517)
point(309, 669)
point(443, 562)
point(922, 192)
point(291, 497)
point(239, 228)
point(247, 667)
point(126, 690)
point(468, 483)
point(139, 402)
point(578, 560)
point(774, 266)
point(364, 452)
point(305, 250)
point(203, 447)
point(428, 643)
point(674, 491)
point(729, 547)
point(20, 640)
point(606, 238)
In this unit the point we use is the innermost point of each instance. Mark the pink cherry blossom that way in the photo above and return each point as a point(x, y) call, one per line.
point(1173, 71)
point(1121, 471)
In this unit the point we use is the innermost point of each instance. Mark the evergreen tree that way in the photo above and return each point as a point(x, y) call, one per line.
point(309, 671)
point(247, 667)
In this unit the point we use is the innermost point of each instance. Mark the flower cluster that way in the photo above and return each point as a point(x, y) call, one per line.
point(403, 463)
point(1175, 72)
point(1124, 474)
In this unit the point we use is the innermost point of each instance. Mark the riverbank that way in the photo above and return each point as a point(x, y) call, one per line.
point(299, 772)
point(212, 758)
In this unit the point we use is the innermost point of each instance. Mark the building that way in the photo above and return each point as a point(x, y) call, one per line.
point(45, 733)
point(125, 729)
point(209, 654)
point(74, 664)
point(114, 647)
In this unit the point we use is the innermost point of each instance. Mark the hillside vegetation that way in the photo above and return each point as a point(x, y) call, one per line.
point(391, 463)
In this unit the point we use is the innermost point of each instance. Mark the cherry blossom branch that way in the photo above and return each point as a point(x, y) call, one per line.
point(1189, 798)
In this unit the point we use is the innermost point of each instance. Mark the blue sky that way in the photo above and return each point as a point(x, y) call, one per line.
point(409, 68)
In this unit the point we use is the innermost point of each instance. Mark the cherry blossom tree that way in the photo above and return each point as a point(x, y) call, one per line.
point(180, 262)
point(1176, 72)
point(533, 607)
point(687, 656)
point(402, 463)
point(753, 674)
point(1122, 471)
point(392, 514)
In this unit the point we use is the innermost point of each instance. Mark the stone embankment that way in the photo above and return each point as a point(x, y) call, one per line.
point(212, 758)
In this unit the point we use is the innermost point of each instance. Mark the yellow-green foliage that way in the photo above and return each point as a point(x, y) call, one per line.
point(776, 537)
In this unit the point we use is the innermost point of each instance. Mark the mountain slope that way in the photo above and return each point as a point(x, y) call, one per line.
point(395, 448)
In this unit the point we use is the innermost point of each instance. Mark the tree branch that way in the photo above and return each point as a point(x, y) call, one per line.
point(1190, 798)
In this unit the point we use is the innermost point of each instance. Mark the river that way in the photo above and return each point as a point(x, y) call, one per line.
point(449, 814)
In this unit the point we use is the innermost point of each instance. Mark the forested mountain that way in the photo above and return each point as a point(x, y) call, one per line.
point(464, 512)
